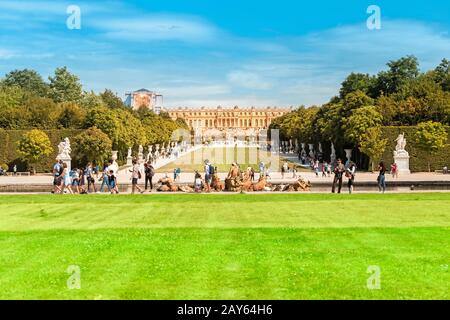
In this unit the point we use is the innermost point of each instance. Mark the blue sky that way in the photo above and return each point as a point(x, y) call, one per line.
point(210, 53)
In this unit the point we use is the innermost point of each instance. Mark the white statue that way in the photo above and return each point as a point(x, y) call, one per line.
point(401, 144)
point(129, 153)
point(141, 149)
point(320, 148)
point(64, 149)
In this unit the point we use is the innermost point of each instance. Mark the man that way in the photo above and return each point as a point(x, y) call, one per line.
point(338, 173)
point(149, 172)
point(15, 169)
point(135, 176)
point(208, 175)
point(105, 177)
point(89, 172)
point(57, 169)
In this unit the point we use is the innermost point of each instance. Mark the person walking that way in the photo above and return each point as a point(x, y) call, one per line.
point(15, 170)
point(67, 181)
point(57, 171)
point(149, 172)
point(324, 169)
point(135, 176)
point(89, 173)
point(381, 177)
point(350, 174)
point(112, 182)
point(105, 177)
point(338, 173)
point(316, 168)
point(76, 181)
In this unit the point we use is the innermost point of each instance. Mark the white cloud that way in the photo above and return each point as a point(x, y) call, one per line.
point(158, 27)
point(248, 80)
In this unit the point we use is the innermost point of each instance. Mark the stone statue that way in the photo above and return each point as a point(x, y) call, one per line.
point(64, 149)
point(320, 148)
point(401, 156)
point(129, 153)
point(401, 144)
point(141, 149)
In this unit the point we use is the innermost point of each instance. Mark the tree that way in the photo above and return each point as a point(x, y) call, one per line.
point(431, 137)
point(92, 145)
point(29, 80)
point(71, 115)
point(357, 82)
point(399, 74)
point(373, 145)
point(442, 74)
point(111, 99)
point(362, 119)
point(65, 86)
point(33, 146)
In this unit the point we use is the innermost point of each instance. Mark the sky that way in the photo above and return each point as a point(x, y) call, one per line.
point(210, 53)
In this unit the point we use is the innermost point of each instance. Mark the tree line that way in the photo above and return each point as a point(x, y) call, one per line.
point(29, 102)
point(402, 95)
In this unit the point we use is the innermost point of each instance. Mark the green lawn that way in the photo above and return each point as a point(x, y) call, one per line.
point(281, 246)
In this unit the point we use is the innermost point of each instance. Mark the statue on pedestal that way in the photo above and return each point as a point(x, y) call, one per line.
point(129, 157)
point(64, 151)
point(401, 156)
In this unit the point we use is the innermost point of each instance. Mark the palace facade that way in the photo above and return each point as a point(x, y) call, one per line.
point(223, 118)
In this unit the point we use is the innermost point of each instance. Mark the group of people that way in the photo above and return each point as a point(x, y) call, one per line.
point(340, 170)
point(82, 180)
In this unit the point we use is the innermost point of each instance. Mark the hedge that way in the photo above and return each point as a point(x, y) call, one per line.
point(418, 159)
point(10, 156)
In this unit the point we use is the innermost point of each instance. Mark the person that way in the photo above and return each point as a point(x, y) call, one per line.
point(329, 169)
point(445, 170)
point(105, 176)
point(15, 169)
point(67, 181)
point(75, 180)
point(57, 170)
point(135, 176)
point(149, 172)
point(316, 168)
point(394, 170)
point(178, 174)
point(198, 182)
point(112, 181)
point(82, 181)
point(350, 174)
point(324, 169)
point(294, 172)
point(262, 168)
point(89, 173)
point(283, 169)
point(338, 172)
point(209, 171)
point(252, 174)
point(381, 177)
point(2, 172)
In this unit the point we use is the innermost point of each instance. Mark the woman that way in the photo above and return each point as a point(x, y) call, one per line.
point(381, 177)
point(76, 180)
point(66, 179)
point(350, 174)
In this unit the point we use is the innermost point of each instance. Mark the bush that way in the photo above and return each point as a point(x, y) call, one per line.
point(418, 157)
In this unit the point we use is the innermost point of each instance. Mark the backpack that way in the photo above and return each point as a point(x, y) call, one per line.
point(211, 169)
point(152, 171)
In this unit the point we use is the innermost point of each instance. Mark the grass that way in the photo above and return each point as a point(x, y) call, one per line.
point(223, 157)
point(307, 246)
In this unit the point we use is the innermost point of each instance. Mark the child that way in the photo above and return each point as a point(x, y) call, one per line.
point(112, 181)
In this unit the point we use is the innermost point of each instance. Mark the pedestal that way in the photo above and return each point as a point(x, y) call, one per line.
point(402, 162)
point(129, 161)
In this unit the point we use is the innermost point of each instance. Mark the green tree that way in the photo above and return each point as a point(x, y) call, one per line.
point(71, 115)
point(400, 72)
point(372, 144)
point(65, 86)
point(28, 80)
point(431, 137)
point(33, 146)
point(111, 100)
point(357, 82)
point(92, 145)
point(356, 126)
point(442, 74)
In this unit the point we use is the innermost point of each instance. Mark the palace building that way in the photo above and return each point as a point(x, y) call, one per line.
point(223, 118)
point(235, 122)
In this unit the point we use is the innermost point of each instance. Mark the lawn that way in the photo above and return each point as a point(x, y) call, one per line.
point(281, 246)
point(223, 157)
